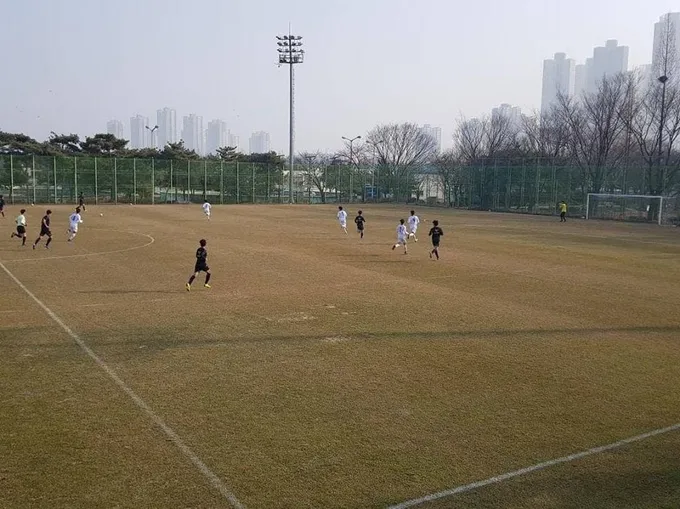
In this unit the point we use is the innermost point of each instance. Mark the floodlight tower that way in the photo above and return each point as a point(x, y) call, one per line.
point(291, 53)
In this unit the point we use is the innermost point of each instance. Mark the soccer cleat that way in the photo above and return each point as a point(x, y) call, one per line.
point(33, 246)
point(188, 287)
point(207, 285)
point(430, 254)
point(393, 247)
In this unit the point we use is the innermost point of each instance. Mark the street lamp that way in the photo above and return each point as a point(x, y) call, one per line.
point(351, 161)
point(291, 53)
point(152, 130)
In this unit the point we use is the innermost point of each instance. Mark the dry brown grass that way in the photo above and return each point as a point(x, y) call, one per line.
point(320, 371)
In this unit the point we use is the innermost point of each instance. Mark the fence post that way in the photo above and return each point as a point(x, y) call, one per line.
point(153, 181)
point(134, 181)
point(538, 186)
point(172, 188)
point(238, 184)
point(554, 186)
point(188, 181)
point(96, 185)
point(253, 164)
point(75, 178)
point(221, 182)
point(54, 175)
point(11, 179)
point(205, 179)
point(33, 177)
point(115, 181)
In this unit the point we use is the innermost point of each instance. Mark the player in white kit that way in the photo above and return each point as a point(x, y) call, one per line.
point(402, 235)
point(73, 221)
point(342, 218)
point(206, 209)
point(413, 222)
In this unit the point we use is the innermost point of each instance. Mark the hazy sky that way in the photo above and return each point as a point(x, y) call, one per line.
point(72, 65)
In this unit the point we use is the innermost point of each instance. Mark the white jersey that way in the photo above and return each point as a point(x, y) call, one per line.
point(21, 220)
point(206, 208)
point(413, 222)
point(74, 220)
point(342, 217)
point(401, 232)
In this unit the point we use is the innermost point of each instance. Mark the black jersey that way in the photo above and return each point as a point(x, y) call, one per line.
point(45, 225)
point(2, 203)
point(436, 232)
point(359, 220)
point(201, 255)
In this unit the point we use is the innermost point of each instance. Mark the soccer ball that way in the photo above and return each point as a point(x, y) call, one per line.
point(102, 215)
point(32, 204)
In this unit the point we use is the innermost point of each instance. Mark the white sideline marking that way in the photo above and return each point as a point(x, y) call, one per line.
point(125, 250)
point(215, 481)
point(533, 468)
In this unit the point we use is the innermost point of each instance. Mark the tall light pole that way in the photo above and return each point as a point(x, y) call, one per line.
point(375, 144)
point(351, 162)
point(291, 53)
point(152, 130)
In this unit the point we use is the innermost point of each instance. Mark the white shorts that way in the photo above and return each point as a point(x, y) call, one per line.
point(343, 224)
point(401, 240)
point(207, 213)
point(73, 228)
point(414, 229)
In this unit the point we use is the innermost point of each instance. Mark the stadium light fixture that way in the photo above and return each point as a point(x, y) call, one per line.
point(152, 130)
point(290, 53)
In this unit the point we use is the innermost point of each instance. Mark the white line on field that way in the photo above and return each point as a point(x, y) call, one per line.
point(80, 255)
point(533, 468)
point(214, 480)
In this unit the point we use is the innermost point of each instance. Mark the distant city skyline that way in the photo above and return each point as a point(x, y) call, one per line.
point(435, 133)
point(259, 143)
point(138, 132)
point(250, 94)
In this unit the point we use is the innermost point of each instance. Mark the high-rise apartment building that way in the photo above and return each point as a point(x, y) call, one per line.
point(217, 136)
point(259, 143)
point(558, 78)
point(580, 80)
point(512, 113)
point(435, 133)
point(138, 132)
point(666, 46)
point(233, 141)
point(166, 120)
point(192, 133)
point(115, 127)
point(608, 61)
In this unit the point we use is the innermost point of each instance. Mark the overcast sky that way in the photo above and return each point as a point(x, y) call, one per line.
point(72, 65)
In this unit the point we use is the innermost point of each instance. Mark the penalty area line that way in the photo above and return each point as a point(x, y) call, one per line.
point(172, 435)
point(533, 468)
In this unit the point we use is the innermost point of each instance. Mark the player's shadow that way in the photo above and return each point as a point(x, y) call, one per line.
point(128, 292)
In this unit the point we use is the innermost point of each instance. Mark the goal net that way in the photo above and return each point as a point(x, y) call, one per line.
point(632, 207)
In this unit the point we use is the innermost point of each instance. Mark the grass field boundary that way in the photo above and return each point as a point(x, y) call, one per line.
point(102, 253)
point(533, 468)
point(188, 453)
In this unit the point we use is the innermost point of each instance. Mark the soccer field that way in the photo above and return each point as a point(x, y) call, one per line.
point(324, 372)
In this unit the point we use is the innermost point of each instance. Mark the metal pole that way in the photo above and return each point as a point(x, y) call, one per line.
point(96, 191)
point(153, 181)
point(11, 179)
point(253, 164)
point(172, 188)
point(291, 140)
point(188, 181)
point(221, 182)
point(33, 176)
point(238, 185)
point(75, 178)
point(134, 181)
point(115, 181)
point(205, 180)
point(54, 177)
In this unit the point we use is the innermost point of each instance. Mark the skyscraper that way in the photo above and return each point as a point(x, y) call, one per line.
point(217, 136)
point(608, 60)
point(558, 78)
point(138, 132)
point(580, 80)
point(166, 120)
point(259, 143)
point(666, 46)
point(115, 127)
point(512, 113)
point(233, 141)
point(192, 133)
point(434, 132)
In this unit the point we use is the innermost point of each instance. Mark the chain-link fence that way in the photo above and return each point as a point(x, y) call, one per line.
point(527, 185)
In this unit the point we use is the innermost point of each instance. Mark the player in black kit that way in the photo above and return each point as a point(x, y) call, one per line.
point(436, 233)
point(201, 265)
point(45, 230)
point(2, 206)
point(81, 202)
point(359, 220)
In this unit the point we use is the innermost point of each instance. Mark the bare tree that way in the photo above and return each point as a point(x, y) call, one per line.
point(545, 135)
point(468, 139)
point(313, 166)
point(402, 150)
point(499, 135)
point(596, 131)
point(451, 176)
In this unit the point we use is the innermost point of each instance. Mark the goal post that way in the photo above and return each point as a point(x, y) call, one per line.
point(625, 207)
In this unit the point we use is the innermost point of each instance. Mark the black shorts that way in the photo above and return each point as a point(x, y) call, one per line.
point(360, 226)
point(21, 230)
point(45, 231)
point(435, 243)
point(563, 214)
point(201, 267)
